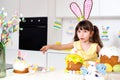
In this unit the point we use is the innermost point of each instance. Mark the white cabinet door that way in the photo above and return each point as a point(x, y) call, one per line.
point(56, 60)
point(109, 7)
point(63, 8)
point(95, 9)
point(33, 8)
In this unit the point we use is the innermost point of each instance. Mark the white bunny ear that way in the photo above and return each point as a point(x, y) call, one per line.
point(87, 8)
point(24, 55)
point(76, 10)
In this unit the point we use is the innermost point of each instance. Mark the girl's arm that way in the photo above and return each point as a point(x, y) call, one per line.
point(57, 47)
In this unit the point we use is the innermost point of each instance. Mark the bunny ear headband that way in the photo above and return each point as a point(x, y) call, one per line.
point(87, 7)
point(21, 55)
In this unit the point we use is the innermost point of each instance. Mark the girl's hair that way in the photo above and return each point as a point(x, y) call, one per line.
point(87, 25)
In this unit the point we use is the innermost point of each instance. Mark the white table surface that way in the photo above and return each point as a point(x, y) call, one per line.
point(52, 75)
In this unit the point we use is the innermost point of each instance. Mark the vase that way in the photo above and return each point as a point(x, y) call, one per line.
point(2, 60)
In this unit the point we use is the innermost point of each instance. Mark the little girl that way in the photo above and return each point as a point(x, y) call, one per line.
point(86, 43)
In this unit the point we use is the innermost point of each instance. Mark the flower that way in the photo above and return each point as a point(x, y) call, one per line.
point(8, 27)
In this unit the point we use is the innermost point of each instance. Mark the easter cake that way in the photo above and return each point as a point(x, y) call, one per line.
point(110, 56)
point(73, 62)
point(20, 65)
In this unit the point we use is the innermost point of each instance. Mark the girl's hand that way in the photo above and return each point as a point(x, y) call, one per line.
point(44, 49)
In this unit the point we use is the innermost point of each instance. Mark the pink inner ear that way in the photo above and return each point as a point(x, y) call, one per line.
point(75, 9)
point(19, 53)
point(87, 8)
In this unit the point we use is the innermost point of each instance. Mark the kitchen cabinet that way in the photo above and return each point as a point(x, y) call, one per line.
point(33, 8)
point(56, 59)
point(63, 9)
point(109, 7)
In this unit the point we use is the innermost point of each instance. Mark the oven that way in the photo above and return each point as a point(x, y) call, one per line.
point(32, 33)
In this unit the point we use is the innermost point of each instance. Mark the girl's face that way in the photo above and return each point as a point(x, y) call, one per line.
point(83, 35)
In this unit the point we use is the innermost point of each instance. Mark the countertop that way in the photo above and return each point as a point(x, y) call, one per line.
point(52, 75)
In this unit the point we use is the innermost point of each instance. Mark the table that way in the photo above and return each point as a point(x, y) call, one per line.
point(52, 75)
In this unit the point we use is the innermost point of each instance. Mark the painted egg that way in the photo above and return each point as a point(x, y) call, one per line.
point(108, 67)
point(116, 68)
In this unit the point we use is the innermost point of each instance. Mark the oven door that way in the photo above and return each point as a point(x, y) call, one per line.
point(32, 36)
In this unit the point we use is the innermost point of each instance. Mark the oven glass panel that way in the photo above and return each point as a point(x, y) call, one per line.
point(33, 33)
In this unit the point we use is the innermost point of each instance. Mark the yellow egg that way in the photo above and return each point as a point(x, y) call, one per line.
point(66, 71)
point(58, 43)
point(108, 67)
point(77, 72)
point(52, 68)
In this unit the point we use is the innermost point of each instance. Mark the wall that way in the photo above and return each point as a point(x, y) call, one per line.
point(111, 22)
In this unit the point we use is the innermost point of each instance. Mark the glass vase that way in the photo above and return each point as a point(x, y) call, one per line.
point(2, 60)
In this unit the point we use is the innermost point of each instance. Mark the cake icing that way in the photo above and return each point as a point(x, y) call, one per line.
point(74, 57)
point(20, 64)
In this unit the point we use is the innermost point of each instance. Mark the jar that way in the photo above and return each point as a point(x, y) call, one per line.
point(2, 60)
